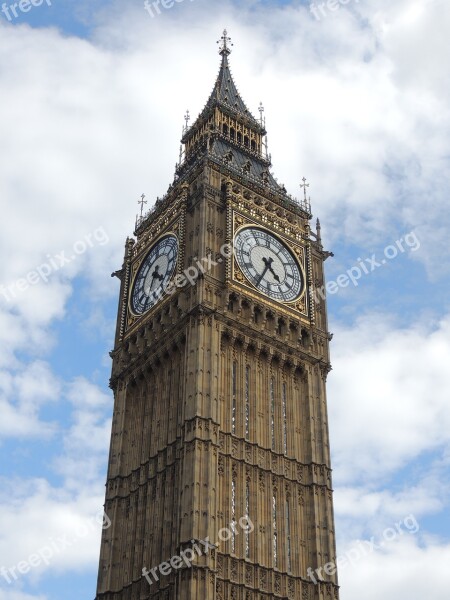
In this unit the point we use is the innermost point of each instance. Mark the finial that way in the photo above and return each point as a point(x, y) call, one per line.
point(318, 231)
point(224, 49)
point(142, 202)
point(261, 112)
point(304, 185)
point(187, 118)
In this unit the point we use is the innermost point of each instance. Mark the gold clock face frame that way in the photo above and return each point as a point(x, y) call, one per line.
point(153, 273)
point(268, 264)
point(296, 246)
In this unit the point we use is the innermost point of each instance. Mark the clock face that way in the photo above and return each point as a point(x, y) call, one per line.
point(154, 274)
point(268, 264)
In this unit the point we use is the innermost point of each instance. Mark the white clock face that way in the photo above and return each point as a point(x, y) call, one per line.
point(154, 274)
point(268, 264)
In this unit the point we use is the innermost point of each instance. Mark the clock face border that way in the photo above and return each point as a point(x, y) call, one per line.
point(290, 256)
point(297, 249)
point(136, 267)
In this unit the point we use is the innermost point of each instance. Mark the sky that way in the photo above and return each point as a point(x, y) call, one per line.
point(356, 97)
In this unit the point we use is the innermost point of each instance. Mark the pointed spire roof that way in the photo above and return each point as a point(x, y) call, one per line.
point(225, 91)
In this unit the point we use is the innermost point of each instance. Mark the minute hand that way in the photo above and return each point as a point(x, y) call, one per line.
point(266, 268)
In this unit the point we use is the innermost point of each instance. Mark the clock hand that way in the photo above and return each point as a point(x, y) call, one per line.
point(155, 275)
point(268, 262)
point(266, 268)
point(275, 276)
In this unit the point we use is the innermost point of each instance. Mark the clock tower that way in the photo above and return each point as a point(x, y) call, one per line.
point(219, 478)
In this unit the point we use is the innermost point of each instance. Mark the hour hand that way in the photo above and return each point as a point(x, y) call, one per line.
point(156, 274)
point(275, 276)
point(268, 262)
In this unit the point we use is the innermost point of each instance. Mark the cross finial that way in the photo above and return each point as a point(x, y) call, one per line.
point(224, 49)
point(142, 202)
point(304, 185)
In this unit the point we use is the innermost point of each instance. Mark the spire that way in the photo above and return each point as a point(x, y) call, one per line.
point(225, 92)
point(228, 134)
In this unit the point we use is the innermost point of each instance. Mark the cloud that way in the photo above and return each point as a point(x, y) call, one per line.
point(34, 517)
point(403, 569)
point(67, 518)
point(87, 440)
point(22, 396)
point(388, 395)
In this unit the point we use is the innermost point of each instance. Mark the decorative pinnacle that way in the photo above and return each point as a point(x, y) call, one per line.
point(261, 112)
point(224, 49)
point(187, 118)
point(318, 231)
point(142, 202)
point(304, 185)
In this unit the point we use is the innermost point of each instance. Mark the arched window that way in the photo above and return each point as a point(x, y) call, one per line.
point(247, 402)
point(247, 514)
point(233, 392)
point(272, 411)
point(275, 530)
point(284, 419)
point(233, 511)
point(288, 536)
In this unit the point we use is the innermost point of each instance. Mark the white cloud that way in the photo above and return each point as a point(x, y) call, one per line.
point(388, 395)
point(35, 515)
point(22, 396)
point(403, 569)
point(87, 440)
point(63, 530)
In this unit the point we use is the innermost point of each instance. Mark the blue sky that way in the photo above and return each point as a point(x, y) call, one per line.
point(94, 95)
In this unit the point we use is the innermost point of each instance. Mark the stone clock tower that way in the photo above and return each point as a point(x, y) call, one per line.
point(219, 435)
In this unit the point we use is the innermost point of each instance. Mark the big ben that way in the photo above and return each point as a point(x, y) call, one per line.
point(219, 445)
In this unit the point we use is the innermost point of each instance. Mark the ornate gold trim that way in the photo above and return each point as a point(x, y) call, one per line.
point(298, 250)
point(136, 265)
